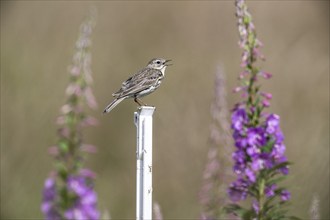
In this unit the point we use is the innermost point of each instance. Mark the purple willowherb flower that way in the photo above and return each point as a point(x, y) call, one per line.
point(49, 204)
point(259, 147)
point(272, 123)
point(85, 199)
point(69, 192)
point(285, 195)
point(239, 119)
point(269, 191)
point(260, 150)
point(238, 190)
point(255, 206)
point(251, 142)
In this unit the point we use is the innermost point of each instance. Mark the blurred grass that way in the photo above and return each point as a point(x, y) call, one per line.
point(37, 45)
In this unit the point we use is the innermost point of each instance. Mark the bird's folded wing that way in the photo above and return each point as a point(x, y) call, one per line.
point(129, 81)
point(139, 82)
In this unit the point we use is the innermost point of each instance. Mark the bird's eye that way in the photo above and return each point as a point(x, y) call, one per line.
point(158, 62)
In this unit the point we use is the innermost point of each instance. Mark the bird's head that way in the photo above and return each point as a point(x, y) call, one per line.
point(158, 63)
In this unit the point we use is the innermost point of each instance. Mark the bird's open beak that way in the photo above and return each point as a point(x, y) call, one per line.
point(167, 64)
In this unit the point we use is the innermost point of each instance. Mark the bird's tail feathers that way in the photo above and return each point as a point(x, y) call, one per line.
point(113, 104)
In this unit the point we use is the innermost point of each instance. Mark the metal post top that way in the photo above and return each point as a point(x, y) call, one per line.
point(145, 110)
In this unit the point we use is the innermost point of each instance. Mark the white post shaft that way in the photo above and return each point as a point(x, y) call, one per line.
point(143, 122)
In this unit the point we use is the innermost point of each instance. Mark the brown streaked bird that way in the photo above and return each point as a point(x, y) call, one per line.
point(141, 83)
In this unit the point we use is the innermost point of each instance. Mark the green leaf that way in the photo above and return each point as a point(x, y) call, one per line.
point(63, 192)
point(268, 207)
point(62, 170)
point(249, 214)
point(257, 101)
point(251, 38)
point(63, 146)
point(274, 170)
point(243, 213)
point(278, 214)
point(259, 110)
point(269, 146)
point(268, 204)
point(69, 119)
point(253, 190)
point(276, 180)
point(279, 190)
point(234, 209)
point(246, 19)
point(281, 165)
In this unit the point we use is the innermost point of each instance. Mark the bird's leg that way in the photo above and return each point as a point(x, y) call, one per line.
point(139, 102)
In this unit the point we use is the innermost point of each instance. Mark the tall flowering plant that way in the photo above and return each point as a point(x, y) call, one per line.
point(259, 159)
point(215, 178)
point(69, 192)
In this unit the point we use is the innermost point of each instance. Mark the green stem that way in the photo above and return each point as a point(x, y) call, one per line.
point(261, 199)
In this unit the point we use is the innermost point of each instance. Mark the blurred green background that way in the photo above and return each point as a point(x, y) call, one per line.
point(37, 44)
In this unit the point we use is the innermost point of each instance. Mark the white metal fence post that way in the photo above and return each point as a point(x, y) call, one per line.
point(143, 122)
